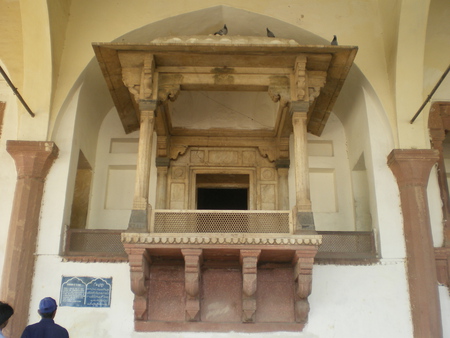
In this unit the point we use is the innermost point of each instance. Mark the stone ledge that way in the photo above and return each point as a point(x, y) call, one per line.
point(152, 326)
point(230, 239)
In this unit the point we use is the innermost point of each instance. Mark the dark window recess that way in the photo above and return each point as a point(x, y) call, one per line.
point(222, 199)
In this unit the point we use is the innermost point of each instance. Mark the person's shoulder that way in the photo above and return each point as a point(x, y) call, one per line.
point(63, 330)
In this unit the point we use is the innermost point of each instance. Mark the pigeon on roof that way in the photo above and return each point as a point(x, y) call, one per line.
point(334, 41)
point(269, 33)
point(223, 31)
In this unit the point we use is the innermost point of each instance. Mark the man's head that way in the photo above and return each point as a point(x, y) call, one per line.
point(47, 307)
point(6, 311)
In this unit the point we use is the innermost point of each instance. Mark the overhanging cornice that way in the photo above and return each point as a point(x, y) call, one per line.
point(256, 59)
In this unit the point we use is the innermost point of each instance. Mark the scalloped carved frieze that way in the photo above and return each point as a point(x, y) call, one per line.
point(173, 239)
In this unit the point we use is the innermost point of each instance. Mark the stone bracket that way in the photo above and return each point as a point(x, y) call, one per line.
point(192, 279)
point(442, 257)
point(303, 264)
point(140, 261)
point(249, 261)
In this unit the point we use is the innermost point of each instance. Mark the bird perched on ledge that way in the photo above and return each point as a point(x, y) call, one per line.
point(223, 31)
point(334, 41)
point(269, 33)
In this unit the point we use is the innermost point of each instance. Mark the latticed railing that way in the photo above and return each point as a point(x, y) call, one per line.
point(107, 243)
point(347, 244)
point(220, 221)
point(90, 242)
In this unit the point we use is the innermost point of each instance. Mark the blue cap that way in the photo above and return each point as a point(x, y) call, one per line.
point(47, 305)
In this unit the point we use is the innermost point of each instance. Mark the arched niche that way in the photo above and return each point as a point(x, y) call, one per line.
point(351, 108)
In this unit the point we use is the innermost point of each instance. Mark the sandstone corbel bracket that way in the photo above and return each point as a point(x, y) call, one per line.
point(282, 265)
point(442, 258)
point(303, 264)
point(140, 261)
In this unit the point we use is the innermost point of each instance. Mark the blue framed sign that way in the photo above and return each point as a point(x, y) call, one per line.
point(85, 292)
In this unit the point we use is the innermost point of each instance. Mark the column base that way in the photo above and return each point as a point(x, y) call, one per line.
point(304, 220)
point(138, 221)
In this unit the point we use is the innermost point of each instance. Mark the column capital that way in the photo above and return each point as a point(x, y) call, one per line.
point(162, 161)
point(298, 107)
point(412, 166)
point(282, 163)
point(147, 105)
point(33, 158)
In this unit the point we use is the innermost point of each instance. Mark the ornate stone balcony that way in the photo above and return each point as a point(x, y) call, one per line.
point(208, 270)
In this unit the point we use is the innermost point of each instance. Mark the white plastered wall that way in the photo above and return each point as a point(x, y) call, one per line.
point(114, 176)
point(8, 175)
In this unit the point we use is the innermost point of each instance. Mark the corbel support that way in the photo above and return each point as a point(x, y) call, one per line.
point(192, 278)
point(139, 78)
point(139, 273)
point(279, 89)
point(316, 81)
point(147, 77)
point(299, 87)
point(169, 86)
point(249, 261)
point(303, 264)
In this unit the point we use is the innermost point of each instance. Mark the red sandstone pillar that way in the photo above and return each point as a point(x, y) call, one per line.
point(412, 168)
point(33, 161)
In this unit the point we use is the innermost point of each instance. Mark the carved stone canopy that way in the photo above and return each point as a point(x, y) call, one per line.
point(287, 71)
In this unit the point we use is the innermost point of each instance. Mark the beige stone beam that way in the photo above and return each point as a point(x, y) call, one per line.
point(200, 81)
point(412, 168)
point(235, 70)
point(33, 161)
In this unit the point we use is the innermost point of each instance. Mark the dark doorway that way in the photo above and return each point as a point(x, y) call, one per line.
point(222, 198)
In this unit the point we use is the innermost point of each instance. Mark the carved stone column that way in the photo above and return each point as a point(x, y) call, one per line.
point(33, 161)
point(304, 218)
point(139, 273)
point(282, 166)
point(192, 278)
point(162, 167)
point(412, 168)
point(303, 264)
point(249, 261)
point(139, 214)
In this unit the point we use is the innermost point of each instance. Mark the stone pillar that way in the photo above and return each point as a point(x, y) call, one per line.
point(249, 261)
point(139, 214)
point(282, 166)
point(192, 280)
point(33, 161)
point(412, 169)
point(438, 129)
point(303, 265)
point(162, 167)
point(304, 218)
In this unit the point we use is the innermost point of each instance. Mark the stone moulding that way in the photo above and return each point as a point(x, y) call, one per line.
point(211, 239)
